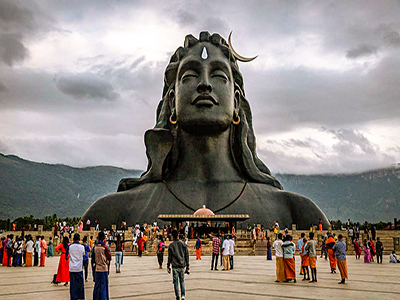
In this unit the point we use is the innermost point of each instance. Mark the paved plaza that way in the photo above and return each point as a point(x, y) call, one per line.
point(252, 278)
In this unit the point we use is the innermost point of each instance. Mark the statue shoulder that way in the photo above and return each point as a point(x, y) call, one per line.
point(304, 210)
point(112, 207)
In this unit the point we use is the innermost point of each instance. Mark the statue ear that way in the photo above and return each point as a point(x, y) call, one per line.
point(237, 99)
point(171, 98)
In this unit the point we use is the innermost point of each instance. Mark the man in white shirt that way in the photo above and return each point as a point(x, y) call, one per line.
point(231, 251)
point(76, 252)
point(280, 265)
point(225, 253)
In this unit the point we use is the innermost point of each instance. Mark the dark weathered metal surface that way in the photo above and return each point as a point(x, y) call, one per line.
point(204, 158)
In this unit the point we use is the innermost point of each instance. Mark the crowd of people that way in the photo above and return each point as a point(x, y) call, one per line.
point(25, 251)
point(285, 250)
point(78, 257)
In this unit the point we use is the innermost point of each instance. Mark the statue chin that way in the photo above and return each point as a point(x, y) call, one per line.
point(204, 127)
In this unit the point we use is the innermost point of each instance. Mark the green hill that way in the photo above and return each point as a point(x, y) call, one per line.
point(369, 196)
point(39, 189)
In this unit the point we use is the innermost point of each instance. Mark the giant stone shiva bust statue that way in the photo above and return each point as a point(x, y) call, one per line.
point(202, 150)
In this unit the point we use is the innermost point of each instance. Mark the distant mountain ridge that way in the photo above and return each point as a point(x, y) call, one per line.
point(40, 189)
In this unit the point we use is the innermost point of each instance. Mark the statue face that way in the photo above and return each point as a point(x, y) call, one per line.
point(204, 91)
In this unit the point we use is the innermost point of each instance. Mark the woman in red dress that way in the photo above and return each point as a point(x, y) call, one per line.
point(63, 265)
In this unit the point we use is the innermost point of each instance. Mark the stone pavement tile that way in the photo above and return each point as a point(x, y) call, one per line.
point(252, 278)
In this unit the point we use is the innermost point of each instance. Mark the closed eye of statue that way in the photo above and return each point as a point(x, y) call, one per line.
point(189, 74)
point(219, 74)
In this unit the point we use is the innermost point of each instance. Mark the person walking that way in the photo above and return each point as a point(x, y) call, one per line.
point(311, 248)
point(225, 253)
point(63, 264)
point(280, 264)
point(118, 254)
point(216, 243)
point(160, 251)
point(86, 257)
point(178, 257)
point(75, 253)
point(340, 252)
point(101, 259)
point(140, 244)
point(330, 242)
point(379, 250)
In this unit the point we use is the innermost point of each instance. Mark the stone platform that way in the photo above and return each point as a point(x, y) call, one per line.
point(252, 278)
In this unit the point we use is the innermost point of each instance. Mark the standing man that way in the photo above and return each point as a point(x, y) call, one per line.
point(300, 244)
point(225, 253)
point(379, 250)
point(37, 252)
point(280, 265)
point(86, 257)
point(216, 243)
point(29, 251)
point(43, 249)
point(101, 258)
point(178, 257)
point(330, 242)
point(305, 262)
point(288, 257)
point(340, 250)
point(231, 252)
point(311, 249)
point(76, 252)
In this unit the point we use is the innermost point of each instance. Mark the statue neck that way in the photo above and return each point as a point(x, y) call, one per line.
point(204, 158)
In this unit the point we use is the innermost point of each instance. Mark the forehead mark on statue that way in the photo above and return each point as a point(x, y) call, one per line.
point(204, 54)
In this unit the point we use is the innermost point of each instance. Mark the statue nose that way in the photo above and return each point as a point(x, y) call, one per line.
point(204, 87)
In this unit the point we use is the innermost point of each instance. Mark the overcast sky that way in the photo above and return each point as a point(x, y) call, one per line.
point(80, 80)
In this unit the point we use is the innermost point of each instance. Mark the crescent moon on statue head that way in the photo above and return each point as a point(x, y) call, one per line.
point(238, 57)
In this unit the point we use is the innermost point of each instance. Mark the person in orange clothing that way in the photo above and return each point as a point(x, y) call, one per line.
point(288, 258)
point(198, 248)
point(43, 249)
point(330, 242)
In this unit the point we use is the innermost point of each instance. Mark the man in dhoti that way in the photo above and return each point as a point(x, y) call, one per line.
point(330, 242)
point(288, 258)
point(340, 251)
point(311, 248)
point(280, 265)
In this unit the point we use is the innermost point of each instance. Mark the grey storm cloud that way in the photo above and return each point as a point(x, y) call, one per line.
point(12, 49)
point(17, 24)
point(362, 50)
point(86, 86)
point(351, 152)
point(3, 88)
point(390, 35)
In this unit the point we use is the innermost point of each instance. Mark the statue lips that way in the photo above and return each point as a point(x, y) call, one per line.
point(204, 100)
